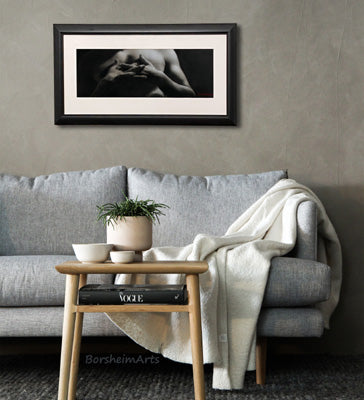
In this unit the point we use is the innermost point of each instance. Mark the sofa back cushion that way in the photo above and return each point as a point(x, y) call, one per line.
point(207, 204)
point(46, 214)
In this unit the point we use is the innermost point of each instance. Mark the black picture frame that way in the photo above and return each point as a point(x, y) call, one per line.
point(60, 31)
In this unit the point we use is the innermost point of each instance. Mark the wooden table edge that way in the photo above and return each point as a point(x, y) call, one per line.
point(146, 267)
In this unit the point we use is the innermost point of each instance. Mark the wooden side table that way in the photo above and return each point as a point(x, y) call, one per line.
point(73, 313)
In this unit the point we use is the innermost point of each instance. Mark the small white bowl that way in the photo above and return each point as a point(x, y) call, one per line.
point(92, 252)
point(122, 257)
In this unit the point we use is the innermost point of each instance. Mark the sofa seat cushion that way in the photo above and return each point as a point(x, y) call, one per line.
point(290, 322)
point(294, 282)
point(46, 214)
point(33, 280)
point(198, 204)
point(47, 321)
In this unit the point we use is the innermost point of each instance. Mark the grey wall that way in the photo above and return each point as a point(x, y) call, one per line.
point(301, 95)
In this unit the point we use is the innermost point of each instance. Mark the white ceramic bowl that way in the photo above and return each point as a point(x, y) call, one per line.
point(92, 252)
point(122, 257)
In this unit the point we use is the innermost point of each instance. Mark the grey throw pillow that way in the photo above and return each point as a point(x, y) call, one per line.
point(46, 214)
point(207, 204)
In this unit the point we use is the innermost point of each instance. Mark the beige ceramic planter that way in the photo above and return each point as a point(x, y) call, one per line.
point(130, 233)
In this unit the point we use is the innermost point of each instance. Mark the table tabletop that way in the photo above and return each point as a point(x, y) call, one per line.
point(145, 267)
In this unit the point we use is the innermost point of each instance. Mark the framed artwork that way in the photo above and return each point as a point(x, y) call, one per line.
point(145, 74)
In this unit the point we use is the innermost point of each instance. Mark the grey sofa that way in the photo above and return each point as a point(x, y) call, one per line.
point(41, 217)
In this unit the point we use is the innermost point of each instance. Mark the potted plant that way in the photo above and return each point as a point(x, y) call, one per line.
point(129, 222)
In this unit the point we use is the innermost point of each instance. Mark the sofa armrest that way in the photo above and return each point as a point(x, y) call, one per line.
point(306, 242)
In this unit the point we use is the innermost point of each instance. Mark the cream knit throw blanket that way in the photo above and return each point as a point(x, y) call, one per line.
point(232, 289)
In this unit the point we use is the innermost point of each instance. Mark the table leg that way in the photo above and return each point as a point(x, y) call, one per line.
point(196, 335)
point(76, 347)
point(67, 334)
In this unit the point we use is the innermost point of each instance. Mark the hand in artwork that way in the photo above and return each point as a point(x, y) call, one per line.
point(117, 75)
point(147, 69)
point(122, 70)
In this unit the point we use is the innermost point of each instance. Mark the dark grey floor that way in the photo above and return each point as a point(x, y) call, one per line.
point(288, 377)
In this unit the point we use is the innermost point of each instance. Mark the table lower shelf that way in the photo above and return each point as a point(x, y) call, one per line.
point(133, 308)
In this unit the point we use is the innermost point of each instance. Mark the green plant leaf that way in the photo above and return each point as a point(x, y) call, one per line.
point(109, 213)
